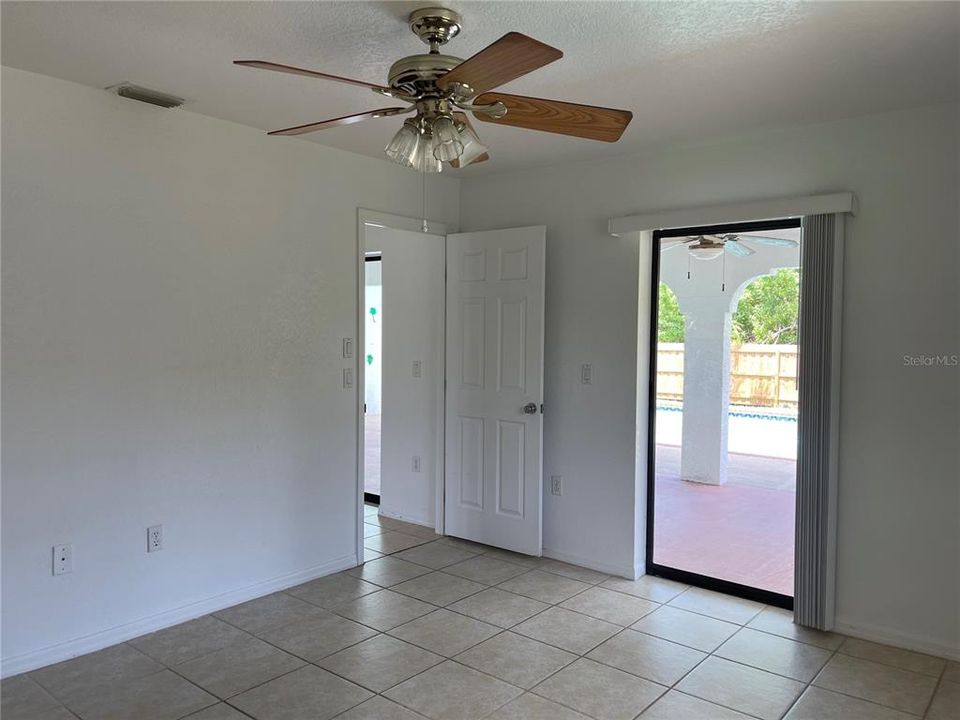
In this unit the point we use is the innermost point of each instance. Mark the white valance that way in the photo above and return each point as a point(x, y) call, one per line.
point(843, 202)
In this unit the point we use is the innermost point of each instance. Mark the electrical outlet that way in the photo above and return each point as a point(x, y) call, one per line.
point(154, 538)
point(586, 374)
point(556, 484)
point(416, 463)
point(417, 369)
point(62, 559)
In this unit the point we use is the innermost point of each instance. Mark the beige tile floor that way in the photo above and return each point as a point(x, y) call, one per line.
point(450, 630)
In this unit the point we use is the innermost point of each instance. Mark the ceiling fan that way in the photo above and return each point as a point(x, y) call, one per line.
point(708, 247)
point(440, 89)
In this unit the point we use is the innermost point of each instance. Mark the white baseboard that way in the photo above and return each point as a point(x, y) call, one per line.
point(406, 518)
point(121, 633)
point(907, 641)
point(624, 571)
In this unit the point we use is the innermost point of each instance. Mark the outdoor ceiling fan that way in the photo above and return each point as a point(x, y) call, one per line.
point(441, 89)
point(708, 247)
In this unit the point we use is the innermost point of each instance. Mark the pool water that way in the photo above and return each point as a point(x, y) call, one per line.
point(751, 430)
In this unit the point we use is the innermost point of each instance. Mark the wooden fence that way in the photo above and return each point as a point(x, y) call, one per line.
point(760, 375)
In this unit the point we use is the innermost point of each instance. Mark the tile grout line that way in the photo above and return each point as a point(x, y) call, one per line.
point(549, 606)
point(523, 569)
point(807, 684)
point(936, 689)
point(874, 662)
point(501, 632)
point(810, 684)
point(386, 633)
point(227, 699)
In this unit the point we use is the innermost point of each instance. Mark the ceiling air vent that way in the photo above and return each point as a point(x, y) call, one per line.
point(135, 92)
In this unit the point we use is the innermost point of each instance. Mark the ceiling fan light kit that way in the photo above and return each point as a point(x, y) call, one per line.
point(706, 252)
point(441, 89)
point(710, 247)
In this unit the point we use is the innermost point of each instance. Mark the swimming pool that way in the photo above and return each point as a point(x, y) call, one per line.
point(750, 430)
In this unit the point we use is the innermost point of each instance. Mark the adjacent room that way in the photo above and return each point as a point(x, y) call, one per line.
point(497, 360)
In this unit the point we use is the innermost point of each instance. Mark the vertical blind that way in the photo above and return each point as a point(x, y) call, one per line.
point(816, 452)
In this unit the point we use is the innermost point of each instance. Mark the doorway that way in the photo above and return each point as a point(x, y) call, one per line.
point(723, 411)
point(463, 306)
point(400, 325)
point(372, 358)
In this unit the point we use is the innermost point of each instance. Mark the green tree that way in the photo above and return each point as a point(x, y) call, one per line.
point(768, 310)
point(669, 318)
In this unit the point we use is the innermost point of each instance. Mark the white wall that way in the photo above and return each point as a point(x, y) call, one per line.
point(175, 292)
point(900, 482)
point(412, 329)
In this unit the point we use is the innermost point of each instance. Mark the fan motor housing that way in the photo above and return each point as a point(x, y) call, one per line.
point(417, 74)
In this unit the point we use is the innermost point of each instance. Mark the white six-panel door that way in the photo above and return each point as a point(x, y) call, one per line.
point(494, 426)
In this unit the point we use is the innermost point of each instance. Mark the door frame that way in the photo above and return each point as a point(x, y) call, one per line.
point(366, 217)
point(727, 587)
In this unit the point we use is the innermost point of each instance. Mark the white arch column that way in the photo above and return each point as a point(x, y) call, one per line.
point(706, 389)
point(708, 296)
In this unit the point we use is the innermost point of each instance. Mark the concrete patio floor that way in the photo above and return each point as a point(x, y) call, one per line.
point(741, 531)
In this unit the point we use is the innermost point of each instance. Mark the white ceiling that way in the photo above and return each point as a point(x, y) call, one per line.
point(688, 71)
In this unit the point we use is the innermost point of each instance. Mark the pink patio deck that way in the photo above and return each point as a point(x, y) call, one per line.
point(741, 531)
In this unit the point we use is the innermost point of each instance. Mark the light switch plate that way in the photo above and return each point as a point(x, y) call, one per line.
point(586, 374)
point(348, 347)
point(347, 378)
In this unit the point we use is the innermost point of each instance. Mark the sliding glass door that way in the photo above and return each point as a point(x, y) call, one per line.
point(723, 441)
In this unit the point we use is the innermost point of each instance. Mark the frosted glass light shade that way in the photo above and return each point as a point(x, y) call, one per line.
point(406, 145)
point(472, 147)
point(426, 161)
point(706, 253)
point(446, 141)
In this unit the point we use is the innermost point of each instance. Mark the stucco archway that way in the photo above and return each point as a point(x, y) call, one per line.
point(708, 292)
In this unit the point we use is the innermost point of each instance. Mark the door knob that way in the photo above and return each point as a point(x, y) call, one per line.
point(530, 409)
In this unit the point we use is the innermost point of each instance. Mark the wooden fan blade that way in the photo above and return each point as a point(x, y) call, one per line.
point(462, 117)
point(335, 122)
point(277, 67)
point(586, 121)
point(508, 58)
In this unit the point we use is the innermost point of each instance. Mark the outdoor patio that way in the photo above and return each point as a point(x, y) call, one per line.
point(740, 531)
